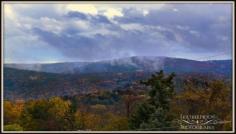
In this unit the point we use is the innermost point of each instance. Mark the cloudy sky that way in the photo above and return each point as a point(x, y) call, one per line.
point(91, 32)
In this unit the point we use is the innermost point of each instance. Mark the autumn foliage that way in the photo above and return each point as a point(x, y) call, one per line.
point(157, 107)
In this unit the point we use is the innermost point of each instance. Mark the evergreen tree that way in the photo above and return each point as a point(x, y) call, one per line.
point(153, 114)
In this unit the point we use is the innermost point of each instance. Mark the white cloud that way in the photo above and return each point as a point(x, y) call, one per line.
point(132, 26)
point(83, 25)
point(156, 6)
point(195, 33)
point(84, 8)
point(102, 31)
point(51, 25)
point(8, 12)
point(182, 27)
point(111, 12)
point(175, 9)
point(145, 12)
point(144, 28)
point(93, 9)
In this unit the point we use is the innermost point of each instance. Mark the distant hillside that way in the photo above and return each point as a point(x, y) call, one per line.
point(24, 84)
point(45, 80)
point(218, 67)
point(133, 64)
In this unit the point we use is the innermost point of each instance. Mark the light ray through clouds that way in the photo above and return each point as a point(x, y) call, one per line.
point(92, 32)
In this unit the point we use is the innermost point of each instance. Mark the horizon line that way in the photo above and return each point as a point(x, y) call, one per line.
point(54, 62)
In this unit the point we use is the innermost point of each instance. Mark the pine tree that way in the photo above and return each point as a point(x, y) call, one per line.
point(153, 114)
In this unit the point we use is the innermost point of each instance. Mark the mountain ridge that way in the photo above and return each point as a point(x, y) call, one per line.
point(131, 64)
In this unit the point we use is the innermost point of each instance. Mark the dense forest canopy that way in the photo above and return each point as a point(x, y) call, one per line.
point(155, 106)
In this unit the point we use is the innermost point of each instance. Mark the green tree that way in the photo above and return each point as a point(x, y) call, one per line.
point(153, 114)
point(47, 115)
point(35, 115)
point(13, 127)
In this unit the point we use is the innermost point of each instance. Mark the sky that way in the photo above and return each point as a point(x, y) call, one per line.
point(47, 33)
